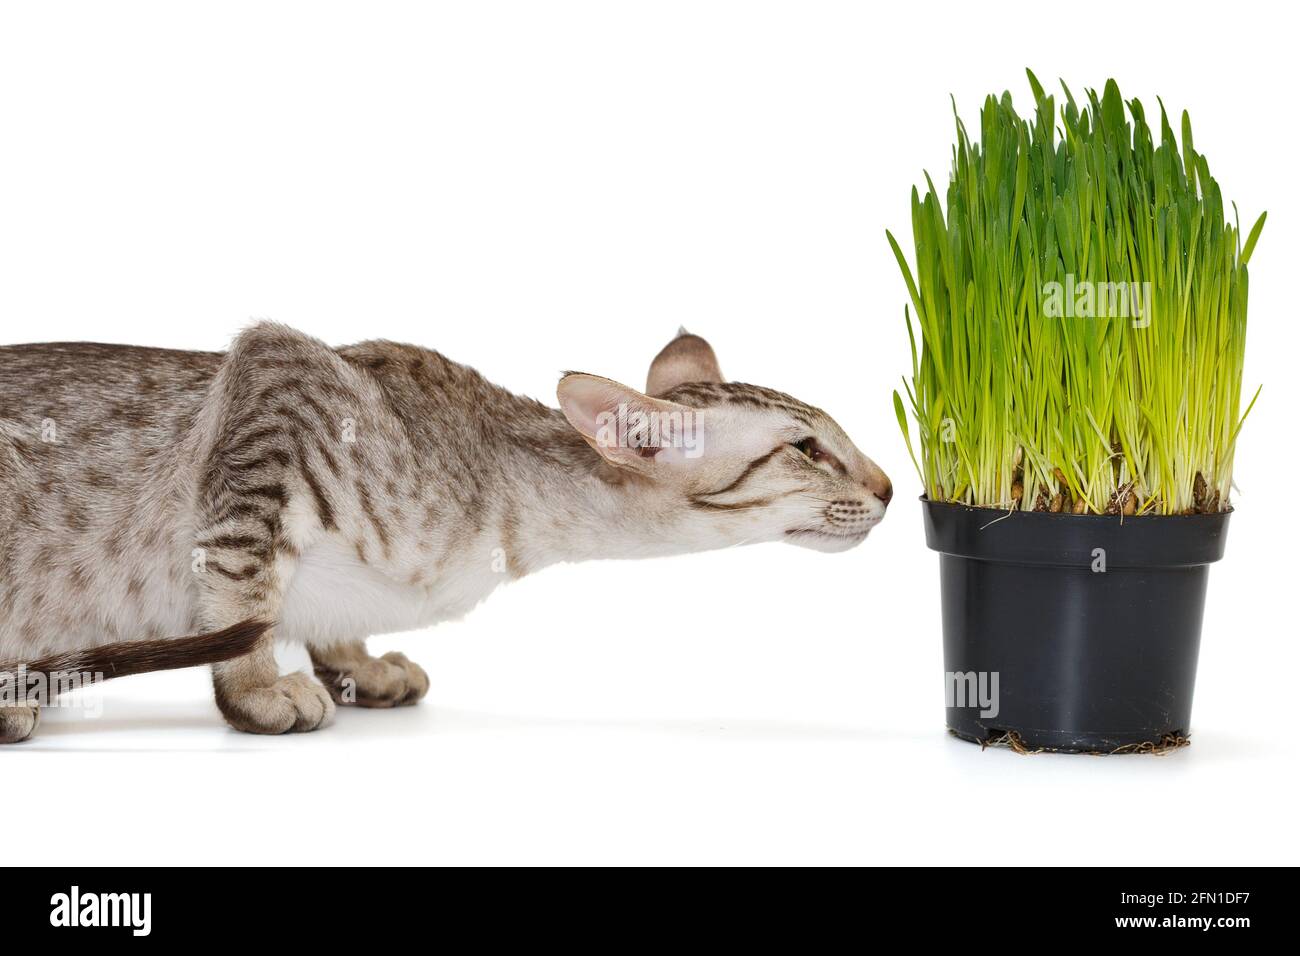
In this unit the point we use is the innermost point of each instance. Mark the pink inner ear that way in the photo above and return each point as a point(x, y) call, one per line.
point(624, 425)
point(579, 413)
point(584, 399)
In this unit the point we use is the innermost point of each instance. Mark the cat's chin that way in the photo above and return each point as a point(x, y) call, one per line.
point(826, 541)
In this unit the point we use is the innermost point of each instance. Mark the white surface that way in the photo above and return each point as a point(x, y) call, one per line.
point(530, 190)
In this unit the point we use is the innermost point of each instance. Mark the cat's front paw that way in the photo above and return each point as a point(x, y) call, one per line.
point(17, 722)
point(389, 681)
point(292, 703)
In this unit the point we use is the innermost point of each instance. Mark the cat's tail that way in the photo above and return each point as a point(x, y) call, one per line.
point(141, 657)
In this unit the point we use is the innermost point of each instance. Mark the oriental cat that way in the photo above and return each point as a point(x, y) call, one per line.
point(288, 490)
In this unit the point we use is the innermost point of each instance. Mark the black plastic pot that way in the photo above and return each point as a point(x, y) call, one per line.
point(1077, 632)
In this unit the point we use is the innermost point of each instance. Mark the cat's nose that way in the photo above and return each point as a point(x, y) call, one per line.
point(885, 492)
point(878, 482)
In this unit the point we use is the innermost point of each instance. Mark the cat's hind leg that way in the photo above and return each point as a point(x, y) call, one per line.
point(353, 676)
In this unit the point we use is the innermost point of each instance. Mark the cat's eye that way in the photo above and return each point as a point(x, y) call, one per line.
point(807, 447)
point(811, 449)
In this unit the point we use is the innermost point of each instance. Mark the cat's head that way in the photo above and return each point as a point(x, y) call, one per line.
point(729, 462)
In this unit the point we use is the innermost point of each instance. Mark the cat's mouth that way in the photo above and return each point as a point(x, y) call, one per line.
point(827, 540)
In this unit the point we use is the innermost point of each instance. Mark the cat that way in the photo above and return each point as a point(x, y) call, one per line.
point(288, 490)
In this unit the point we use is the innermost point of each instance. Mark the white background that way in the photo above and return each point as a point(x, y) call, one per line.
point(537, 187)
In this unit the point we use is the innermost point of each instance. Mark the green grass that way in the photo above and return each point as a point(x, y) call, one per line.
point(1017, 402)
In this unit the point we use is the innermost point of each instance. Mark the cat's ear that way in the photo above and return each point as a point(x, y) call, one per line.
point(629, 430)
point(687, 358)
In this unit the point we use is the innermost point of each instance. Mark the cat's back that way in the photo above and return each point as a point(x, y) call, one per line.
point(81, 379)
point(448, 407)
point(84, 421)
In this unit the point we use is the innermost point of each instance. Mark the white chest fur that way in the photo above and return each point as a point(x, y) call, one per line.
point(332, 596)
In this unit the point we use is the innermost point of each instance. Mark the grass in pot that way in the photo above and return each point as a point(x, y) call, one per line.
point(1078, 327)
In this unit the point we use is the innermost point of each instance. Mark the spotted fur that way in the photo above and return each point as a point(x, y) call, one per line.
point(343, 492)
